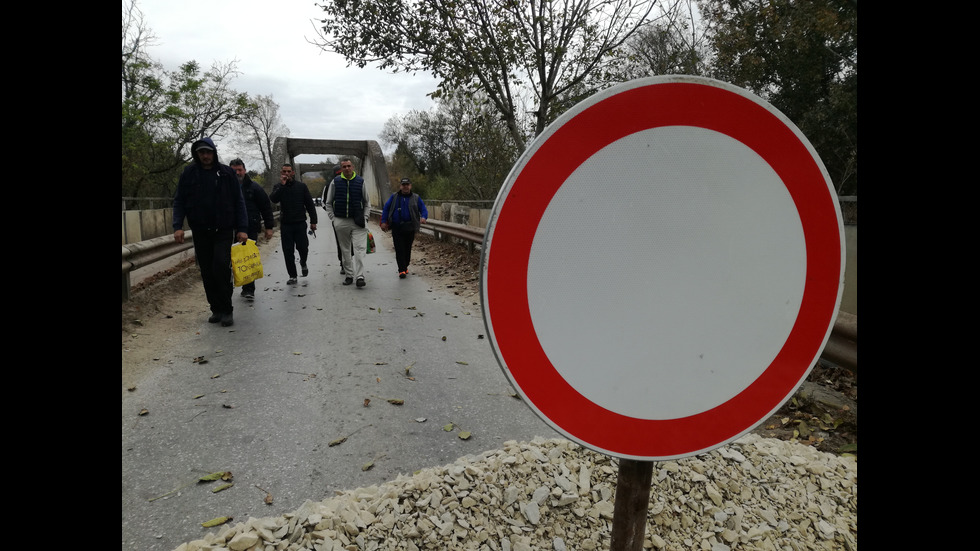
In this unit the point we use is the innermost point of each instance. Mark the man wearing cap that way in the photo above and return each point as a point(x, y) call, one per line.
point(404, 212)
point(348, 209)
point(210, 197)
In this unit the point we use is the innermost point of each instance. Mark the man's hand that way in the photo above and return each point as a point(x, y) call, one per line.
point(179, 236)
point(313, 227)
point(268, 234)
point(422, 220)
point(384, 227)
point(241, 237)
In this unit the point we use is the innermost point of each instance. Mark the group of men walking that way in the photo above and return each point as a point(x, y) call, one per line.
point(222, 205)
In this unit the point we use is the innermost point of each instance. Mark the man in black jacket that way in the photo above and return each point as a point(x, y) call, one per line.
point(209, 196)
point(296, 201)
point(259, 208)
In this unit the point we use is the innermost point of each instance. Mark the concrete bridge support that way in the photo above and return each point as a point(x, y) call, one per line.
point(369, 163)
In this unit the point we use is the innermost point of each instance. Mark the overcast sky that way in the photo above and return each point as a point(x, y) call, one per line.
point(318, 96)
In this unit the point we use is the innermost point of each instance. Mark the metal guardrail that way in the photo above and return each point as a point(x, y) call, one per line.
point(145, 253)
point(841, 347)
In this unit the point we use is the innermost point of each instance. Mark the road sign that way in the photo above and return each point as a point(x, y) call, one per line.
point(662, 267)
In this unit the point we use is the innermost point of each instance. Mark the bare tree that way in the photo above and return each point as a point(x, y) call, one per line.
point(523, 55)
point(260, 130)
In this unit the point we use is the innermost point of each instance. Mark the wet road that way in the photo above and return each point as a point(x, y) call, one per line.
point(293, 375)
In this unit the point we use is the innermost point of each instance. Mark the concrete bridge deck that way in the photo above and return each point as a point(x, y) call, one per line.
point(290, 376)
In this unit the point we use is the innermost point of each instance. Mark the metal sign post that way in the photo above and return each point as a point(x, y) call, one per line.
point(660, 271)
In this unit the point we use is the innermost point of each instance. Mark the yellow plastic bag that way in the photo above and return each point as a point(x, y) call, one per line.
point(246, 263)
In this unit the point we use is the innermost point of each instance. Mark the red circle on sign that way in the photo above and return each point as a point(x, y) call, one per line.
point(667, 102)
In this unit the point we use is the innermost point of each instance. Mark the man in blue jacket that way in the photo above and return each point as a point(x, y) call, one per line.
point(404, 213)
point(209, 196)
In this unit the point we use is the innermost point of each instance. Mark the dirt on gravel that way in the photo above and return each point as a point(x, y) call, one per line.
point(822, 413)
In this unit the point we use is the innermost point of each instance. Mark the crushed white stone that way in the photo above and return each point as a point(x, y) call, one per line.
point(755, 494)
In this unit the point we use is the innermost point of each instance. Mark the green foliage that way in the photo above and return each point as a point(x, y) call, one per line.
point(163, 112)
point(801, 56)
point(460, 150)
point(514, 56)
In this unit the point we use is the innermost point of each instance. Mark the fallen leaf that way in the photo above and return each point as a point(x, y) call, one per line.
point(464, 435)
point(443, 337)
point(337, 442)
point(226, 406)
point(219, 475)
point(132, 388)
point(462, 363)
point(366, 402)
point(448, 428)
point(216, 522)
point(380, 363)
point(268, 499)
point(804, 429)
point(396, 402)
point(144, 411)
point(216, 375)
point(367, 466)
point(420, 420)
point(297, 353)
point(222, 487)
point(378, 379)
point(199, 396)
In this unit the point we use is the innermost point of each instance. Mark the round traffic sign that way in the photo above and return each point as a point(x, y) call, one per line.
point(662, 267)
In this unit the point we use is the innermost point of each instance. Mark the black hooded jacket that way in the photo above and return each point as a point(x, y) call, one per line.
point(210, 200)
point(257, 205)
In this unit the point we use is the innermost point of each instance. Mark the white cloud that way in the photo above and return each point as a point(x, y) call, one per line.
point(318, 95)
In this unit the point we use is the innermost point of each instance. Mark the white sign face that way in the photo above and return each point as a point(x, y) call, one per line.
point(663, 267)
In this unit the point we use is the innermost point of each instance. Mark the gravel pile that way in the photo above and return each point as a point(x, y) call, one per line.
point(754, 494)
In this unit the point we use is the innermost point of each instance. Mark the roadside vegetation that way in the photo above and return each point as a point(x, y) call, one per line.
point(507, 69)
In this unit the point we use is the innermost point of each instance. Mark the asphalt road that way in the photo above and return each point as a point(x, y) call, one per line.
point(293, 375)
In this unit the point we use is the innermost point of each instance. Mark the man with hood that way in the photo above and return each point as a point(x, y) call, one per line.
point(209, 196)
point(258, 207)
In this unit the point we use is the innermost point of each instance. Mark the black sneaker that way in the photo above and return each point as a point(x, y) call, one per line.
point(227, 320)
point(249, 295)
point(291, 281)
point(306, 271)
point(360, 282)
point(215, 318)
point(348, 280)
